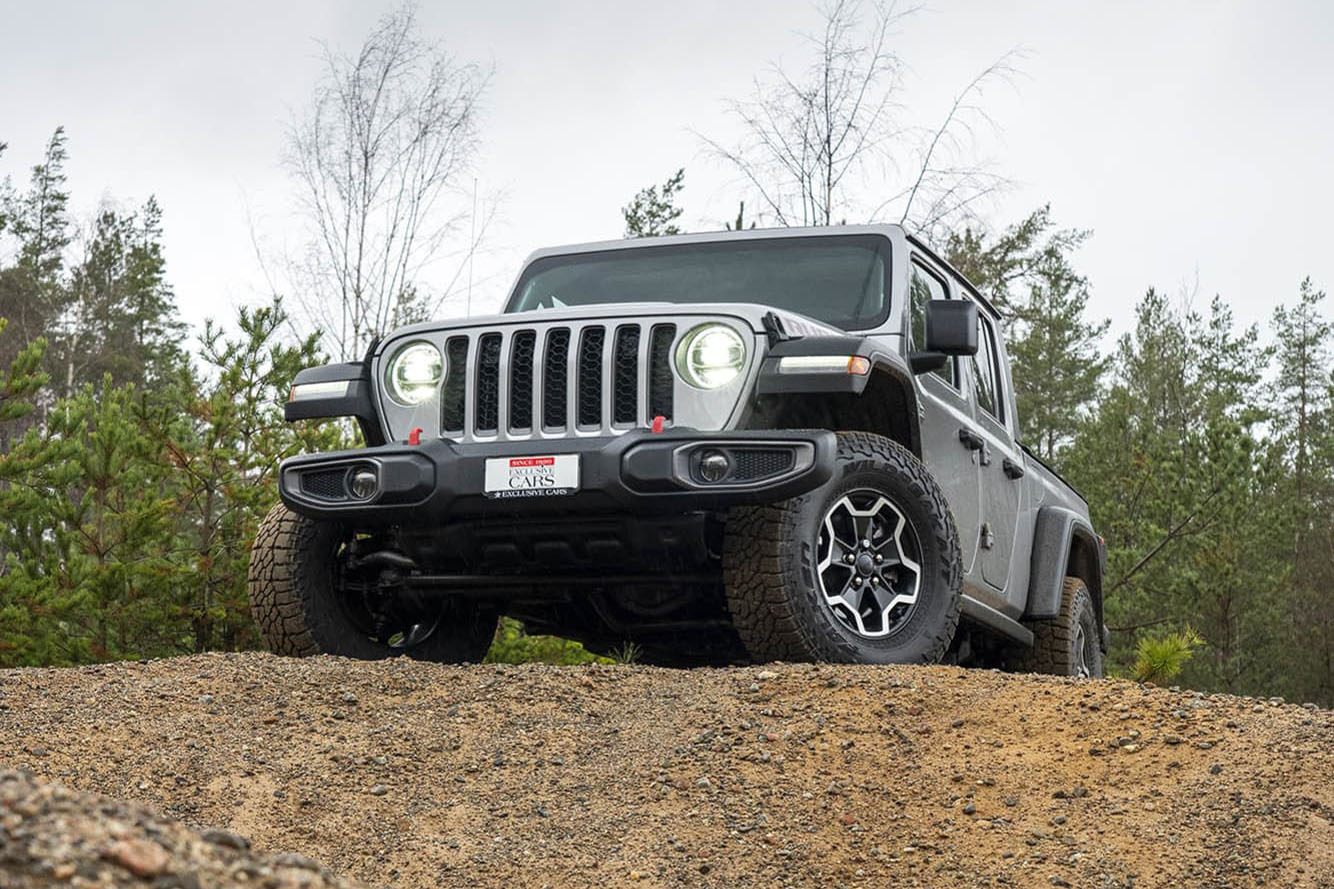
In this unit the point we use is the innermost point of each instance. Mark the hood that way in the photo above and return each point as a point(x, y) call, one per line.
point(752, 314)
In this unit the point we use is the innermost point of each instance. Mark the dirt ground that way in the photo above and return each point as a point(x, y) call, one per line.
point(417, 775)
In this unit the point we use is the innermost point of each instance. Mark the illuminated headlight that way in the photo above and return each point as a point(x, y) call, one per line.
point(711, 356)
point(414, 373)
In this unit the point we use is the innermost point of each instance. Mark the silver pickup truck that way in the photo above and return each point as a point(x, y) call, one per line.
point(793, 444)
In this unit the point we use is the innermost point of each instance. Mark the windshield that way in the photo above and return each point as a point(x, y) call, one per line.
point(837, 279)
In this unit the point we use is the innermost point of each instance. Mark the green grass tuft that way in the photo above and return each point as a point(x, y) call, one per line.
point(513, 645)
point(1158, 659)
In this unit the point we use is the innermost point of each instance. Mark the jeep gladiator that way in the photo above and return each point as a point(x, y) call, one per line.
point(793, 444)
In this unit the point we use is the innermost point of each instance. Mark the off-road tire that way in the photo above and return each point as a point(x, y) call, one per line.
point(1054, 641)
point(292, 599)
point(769, 565)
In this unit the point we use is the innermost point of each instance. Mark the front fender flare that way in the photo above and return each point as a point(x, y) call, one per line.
point(886, 368)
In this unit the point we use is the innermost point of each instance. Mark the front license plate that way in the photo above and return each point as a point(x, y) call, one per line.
point(532, 476)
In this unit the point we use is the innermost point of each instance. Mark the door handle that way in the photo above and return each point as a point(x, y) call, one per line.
point(1012, 469)
point(971, 439)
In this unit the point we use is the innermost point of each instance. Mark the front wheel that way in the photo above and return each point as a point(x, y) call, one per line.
point(305, 602)
point(865, 569)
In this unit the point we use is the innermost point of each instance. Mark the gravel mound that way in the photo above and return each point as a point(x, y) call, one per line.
point(420, 775)
point(51, 836)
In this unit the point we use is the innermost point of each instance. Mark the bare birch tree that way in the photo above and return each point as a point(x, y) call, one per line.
point(382, 156)
point(832, 143)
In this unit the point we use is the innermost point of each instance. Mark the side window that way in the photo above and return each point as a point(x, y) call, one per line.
point(986, 376)
point(922, 288)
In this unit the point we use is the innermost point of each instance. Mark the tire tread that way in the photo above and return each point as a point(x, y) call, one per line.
point(760, 546)
point(1052, 652)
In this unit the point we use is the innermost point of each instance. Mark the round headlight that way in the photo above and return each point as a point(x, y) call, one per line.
point(415, 372)
point(711, 356)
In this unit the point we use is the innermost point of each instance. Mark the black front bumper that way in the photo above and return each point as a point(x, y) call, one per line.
point(639, 471)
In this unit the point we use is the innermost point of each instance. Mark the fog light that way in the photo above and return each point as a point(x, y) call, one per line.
point(363, 483)
point(714, 466)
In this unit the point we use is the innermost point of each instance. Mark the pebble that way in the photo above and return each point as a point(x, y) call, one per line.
point(379, 790)
point(226, 839)
point(140, 857)
point(295, 860)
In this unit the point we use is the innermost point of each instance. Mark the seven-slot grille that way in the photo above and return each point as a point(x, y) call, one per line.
point(565, 378)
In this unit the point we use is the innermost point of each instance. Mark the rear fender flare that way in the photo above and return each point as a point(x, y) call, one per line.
point(1064, 544)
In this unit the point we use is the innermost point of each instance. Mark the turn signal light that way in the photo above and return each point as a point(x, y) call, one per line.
point(850, 364)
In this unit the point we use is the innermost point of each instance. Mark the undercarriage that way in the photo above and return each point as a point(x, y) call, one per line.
point(654, 581)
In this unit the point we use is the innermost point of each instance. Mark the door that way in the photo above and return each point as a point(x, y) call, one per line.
point(1000, 462)
point(944, 412)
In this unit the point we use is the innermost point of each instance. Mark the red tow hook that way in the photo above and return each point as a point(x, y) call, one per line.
point(415, 436)
point(658, 422)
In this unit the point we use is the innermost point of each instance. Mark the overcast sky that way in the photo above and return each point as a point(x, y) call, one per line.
point(1195, 139)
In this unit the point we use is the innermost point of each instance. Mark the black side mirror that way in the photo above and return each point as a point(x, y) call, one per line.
point(951, 329)
point(951, 326)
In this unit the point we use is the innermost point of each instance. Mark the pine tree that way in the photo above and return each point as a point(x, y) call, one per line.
point(19, 386)
point(32, 290)
point(40, 220)
point(150, 304)
point(87, 534)
point(653, 211)
point(1303, 335)
point(1028, 272)
point(1179, 484)
point(129, 534)
point(1304, 426)
point(1056, 356)
point(223, 438)
point(1005, 266)
point(120, 318)
point(6, 195)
